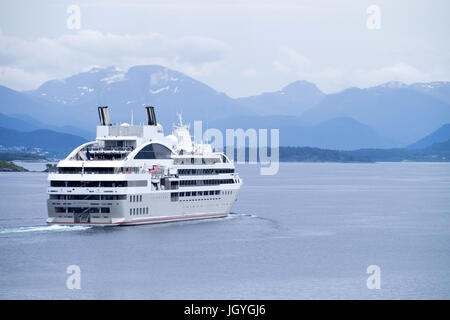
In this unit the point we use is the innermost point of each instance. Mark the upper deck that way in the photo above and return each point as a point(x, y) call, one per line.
point(125, 142)
point(116, 142)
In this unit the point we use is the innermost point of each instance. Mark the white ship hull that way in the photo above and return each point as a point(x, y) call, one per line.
point(155, 207)
point(135, 175)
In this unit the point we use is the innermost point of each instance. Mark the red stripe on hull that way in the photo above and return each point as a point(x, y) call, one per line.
point(147, 221)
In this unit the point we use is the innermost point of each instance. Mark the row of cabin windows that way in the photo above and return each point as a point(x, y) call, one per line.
point(133, 198)
point(81, 210)
point(88, 170)
point(136, 198)
point(199, 193)
point(203, 171)
point(205, 182)
point(99, 184)
point(87, 197)
point(138, 211)
point(190, 160)
point(89, 184)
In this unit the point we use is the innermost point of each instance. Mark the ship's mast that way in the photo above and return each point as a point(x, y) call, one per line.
point(180, 119)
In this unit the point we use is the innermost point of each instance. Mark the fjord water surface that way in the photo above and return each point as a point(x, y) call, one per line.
point(309, 232)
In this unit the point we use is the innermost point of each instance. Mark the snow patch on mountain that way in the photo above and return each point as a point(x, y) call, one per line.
point(159, 78)
point(158, 90)
point(86, 89)
point(114, 78)
point(394, 84)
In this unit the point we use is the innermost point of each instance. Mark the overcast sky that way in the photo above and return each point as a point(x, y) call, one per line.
point(237, 47)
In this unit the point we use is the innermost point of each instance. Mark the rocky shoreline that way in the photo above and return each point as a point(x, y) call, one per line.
point(6, 166)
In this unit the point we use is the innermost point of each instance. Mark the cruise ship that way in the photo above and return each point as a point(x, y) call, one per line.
point(134, 174)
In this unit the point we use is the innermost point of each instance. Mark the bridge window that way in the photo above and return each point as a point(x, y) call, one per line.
point(154, 151)
point(57, 183)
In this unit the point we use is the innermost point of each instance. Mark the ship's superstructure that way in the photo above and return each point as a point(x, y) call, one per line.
point(134, 174)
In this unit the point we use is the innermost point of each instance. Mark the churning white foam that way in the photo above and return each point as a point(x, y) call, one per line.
point(52, 228)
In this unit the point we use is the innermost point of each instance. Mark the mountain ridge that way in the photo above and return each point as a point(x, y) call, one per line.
point(292, 99)
point(388, 115)
point(440, 135)
point(135, 88)
point(403, 114)
point(55, 143)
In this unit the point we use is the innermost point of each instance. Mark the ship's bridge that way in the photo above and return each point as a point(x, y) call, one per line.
point(115, 142)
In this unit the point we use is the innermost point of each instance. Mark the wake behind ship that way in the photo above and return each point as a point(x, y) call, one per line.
point(133, 174)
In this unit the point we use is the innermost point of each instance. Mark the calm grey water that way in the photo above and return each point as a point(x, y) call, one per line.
point(308, 232)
